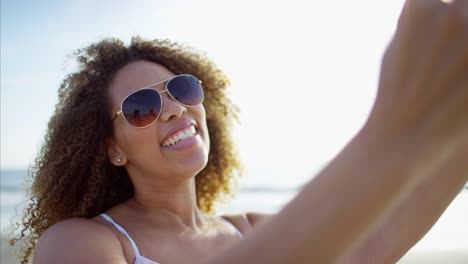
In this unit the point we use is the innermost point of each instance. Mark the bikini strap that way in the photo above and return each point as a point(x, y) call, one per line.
point(235, 228)
point(122, 230)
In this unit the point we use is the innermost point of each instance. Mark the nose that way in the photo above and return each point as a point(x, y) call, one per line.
point(170, 107)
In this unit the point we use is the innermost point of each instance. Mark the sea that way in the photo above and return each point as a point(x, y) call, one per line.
point(268, 190)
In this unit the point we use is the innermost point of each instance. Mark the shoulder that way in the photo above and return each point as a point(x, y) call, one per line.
point(78, 240)
point(250, 219)
point(256, 218)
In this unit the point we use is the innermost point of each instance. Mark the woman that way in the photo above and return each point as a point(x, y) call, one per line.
point(139, 150)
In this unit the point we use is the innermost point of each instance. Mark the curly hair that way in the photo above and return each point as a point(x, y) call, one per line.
point(71, 175)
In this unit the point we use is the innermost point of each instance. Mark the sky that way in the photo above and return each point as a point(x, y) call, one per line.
point(304, 73)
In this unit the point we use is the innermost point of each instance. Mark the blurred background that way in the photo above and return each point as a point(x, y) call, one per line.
point(304, 74)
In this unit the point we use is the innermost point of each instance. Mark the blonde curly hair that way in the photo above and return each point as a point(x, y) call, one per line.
point(72, 177)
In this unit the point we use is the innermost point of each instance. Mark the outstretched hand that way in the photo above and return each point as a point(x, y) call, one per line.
point(423, 90)
point(421, 110)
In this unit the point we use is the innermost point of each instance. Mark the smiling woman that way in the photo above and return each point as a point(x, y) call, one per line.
point(94, 160)
point(139, 150)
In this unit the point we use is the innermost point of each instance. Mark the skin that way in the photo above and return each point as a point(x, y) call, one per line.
point(397, 176)
point(393, 166)
point(164, 204)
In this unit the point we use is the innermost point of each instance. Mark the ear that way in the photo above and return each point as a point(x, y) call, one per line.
point(114, 153)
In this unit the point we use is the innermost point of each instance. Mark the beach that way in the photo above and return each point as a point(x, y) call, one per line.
point(7, 253)
point(436, 257)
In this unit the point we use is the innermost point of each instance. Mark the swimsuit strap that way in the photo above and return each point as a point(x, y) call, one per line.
point(235, 228)
point(122, 230)
point(135, 248)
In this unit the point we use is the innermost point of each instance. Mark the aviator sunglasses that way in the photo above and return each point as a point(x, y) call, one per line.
point(143, 107)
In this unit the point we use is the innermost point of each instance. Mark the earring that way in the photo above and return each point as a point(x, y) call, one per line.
point(119, 160)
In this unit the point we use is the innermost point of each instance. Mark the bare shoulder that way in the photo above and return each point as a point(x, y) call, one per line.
point(252, 219)
point(78, 240)
point(256, 218)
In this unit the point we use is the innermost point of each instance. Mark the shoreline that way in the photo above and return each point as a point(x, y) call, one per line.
point(7, 252)
point(449, 256)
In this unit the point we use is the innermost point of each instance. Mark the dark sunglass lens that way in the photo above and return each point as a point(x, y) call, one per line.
point(142, 107)
point(186, 89)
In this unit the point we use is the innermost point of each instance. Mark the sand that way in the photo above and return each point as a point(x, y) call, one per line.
point(435, 257)
point(7, 256)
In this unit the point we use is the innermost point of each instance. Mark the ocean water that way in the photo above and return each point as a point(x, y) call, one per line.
point(268, 190)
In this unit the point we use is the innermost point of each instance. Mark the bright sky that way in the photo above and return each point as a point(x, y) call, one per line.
point(304, 73)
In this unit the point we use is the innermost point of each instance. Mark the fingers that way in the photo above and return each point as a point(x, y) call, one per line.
point(448, 55)
point(423, 12)
point(462, 8)
point(416, 9)
point(455, 32)
point(455, 65)
point(426, 63)
point(416, 27)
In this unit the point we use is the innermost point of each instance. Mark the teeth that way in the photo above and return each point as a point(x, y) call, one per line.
point(188, 133)
point(181, 135)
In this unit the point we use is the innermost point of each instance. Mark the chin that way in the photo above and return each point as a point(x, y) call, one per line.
point(193, 164)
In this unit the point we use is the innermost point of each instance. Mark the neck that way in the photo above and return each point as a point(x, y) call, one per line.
point(168, 203)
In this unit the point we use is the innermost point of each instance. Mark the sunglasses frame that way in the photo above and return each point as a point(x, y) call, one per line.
point(167, 81)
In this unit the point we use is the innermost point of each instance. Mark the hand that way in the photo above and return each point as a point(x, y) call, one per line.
point(423, 90)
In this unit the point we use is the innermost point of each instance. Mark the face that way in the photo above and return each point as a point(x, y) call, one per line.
point(147, 151)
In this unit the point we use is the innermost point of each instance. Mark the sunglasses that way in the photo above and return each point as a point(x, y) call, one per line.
point(143, 107)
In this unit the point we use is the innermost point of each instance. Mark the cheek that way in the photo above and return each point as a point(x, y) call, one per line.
point(200, 114)
point(138, 142)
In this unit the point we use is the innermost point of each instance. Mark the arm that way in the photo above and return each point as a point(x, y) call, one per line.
point(398, 150)
point(416, 215)
point(77, 241)
point(257, 218)
point(413, 218)
point(307, 231)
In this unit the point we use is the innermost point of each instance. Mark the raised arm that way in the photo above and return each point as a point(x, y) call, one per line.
point(418, 129)
point(413, 218)
point(408, 223)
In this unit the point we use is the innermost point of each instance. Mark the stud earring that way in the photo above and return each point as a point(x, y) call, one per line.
point(119, 160)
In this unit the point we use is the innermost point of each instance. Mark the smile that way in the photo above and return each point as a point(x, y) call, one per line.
point(186, 133)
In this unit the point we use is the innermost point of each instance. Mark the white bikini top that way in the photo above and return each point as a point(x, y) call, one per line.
point(139, 259)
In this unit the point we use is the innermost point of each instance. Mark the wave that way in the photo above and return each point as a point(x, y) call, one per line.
point(13, 189)
point(13, 181)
